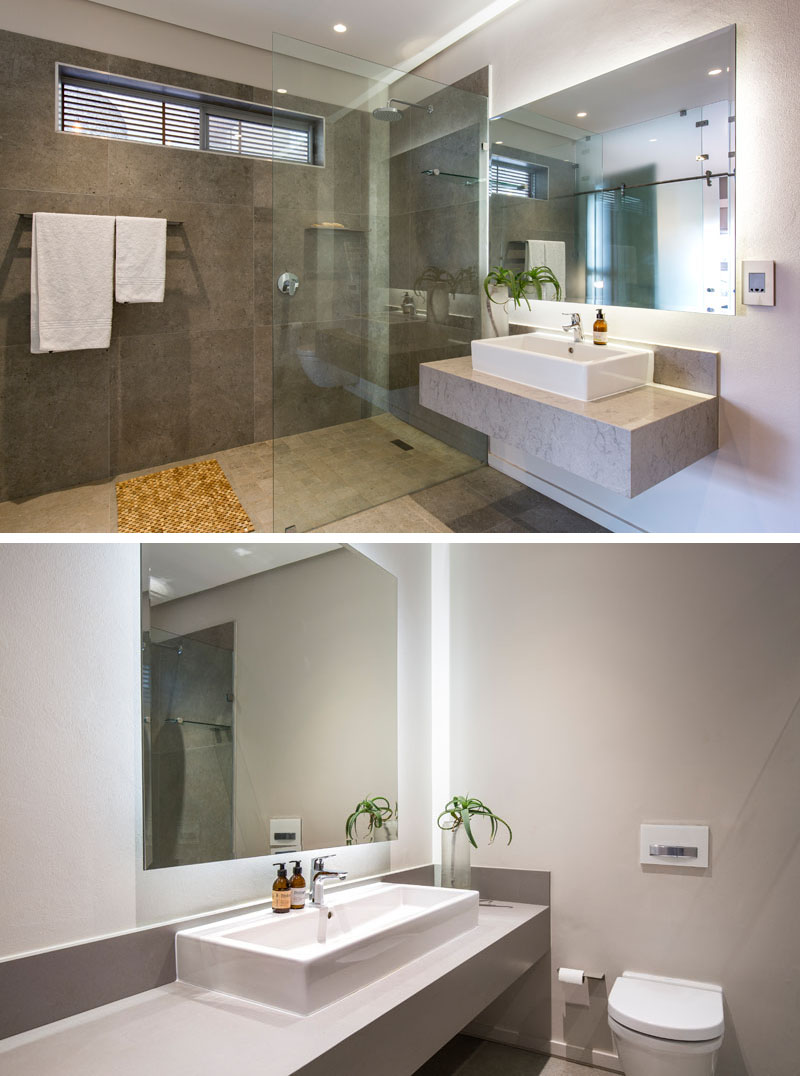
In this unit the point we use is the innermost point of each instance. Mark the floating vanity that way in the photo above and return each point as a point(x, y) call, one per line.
point(448, 959)
point(626, 441)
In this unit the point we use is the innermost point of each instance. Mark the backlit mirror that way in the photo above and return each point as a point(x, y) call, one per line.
point(269, 699)
point(623, 185)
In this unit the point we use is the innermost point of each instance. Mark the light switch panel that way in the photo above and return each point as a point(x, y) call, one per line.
point(674, 846)
point(758, 283)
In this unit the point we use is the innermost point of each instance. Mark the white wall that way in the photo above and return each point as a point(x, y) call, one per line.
point(70, 768)
point(598, 687)
point(753, 482)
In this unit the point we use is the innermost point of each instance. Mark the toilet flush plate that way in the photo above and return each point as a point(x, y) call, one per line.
point(674, 845)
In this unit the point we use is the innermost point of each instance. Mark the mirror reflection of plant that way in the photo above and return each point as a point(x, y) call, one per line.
point(462, 809)
point(518, 283)
point(376, 809)
point(463, 280)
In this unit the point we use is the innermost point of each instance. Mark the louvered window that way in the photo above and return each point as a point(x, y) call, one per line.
point(108, 106)
point(522, 179)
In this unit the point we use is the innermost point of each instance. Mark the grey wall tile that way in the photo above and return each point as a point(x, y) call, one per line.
point(221, 390)
point(209, 268)
point(54, 419)
point(35, 155)
point(178, 174)
point(264, 279)
point(262, 382)
point(152, 395)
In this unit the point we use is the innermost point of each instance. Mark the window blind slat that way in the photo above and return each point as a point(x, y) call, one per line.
point(100, 109)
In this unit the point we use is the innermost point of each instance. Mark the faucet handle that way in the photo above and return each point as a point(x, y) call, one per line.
point(319, 862)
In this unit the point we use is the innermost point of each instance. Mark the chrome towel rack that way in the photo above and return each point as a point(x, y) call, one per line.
point(170, 223)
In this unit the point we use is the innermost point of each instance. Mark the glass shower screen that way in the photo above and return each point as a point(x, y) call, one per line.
point(376, 269)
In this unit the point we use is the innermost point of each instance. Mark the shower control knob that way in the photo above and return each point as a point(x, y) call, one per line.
point(288, 283)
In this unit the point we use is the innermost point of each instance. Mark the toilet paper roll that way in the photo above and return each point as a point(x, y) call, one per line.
point(575, 976)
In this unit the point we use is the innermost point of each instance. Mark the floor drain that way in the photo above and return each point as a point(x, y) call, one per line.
point(406, 447)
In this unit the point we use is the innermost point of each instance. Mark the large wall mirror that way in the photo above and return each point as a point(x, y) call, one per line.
point(624, 185)
point(269, 697)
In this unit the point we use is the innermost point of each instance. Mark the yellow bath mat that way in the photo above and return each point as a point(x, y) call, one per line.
point(196, 498)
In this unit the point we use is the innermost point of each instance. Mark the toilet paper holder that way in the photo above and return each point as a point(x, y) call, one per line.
point(584, 974)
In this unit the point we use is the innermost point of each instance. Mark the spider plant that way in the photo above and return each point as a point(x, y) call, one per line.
point(376, 810)
point(519, 283)
point(462, 809)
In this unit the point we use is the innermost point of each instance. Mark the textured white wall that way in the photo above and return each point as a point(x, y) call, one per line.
point(753, 482)
point(70, 767)
point(599, 687)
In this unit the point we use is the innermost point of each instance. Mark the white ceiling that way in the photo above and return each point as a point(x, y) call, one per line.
point(400, 33)
point(659, 85)
point(176, 569)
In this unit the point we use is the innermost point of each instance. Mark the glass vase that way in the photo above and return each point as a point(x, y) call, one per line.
point(455, 858)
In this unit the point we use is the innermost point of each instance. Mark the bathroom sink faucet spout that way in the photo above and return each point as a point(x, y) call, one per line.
point(574, 327)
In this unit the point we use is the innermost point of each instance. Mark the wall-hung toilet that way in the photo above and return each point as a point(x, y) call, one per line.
point(665, 1027)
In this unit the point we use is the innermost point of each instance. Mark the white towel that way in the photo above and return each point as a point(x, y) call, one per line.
point(141, 259)
point(72, 273)
point(534, 253)
point(555, 256)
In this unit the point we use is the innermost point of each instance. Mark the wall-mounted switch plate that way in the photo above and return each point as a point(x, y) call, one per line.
point(758, 283)
point(674, 846)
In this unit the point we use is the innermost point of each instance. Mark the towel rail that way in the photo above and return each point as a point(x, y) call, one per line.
point(170, 223)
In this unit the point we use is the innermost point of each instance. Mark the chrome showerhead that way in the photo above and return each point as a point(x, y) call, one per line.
point(388, 114)
point(391, 115)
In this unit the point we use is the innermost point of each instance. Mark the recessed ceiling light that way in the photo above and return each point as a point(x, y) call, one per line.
point(654, 140)
point(582, 114)
point(340, 27)
point(499, 143)
point(281, 91)
point(715, 71)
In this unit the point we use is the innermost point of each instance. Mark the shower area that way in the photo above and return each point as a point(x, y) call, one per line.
point(377, 265)
point(187, 694)
point(360, 186)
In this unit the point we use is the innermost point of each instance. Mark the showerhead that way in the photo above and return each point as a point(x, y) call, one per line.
point(389, 114)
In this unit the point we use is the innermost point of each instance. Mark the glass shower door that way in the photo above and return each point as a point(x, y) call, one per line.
point(376, 240)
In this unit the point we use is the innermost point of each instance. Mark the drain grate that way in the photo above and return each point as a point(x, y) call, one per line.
point(406, 447)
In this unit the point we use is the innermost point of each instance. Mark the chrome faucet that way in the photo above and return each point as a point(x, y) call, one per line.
point(574, 327)
point(317, 891)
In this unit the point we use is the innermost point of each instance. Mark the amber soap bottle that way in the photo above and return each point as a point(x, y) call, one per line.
point(600, 329)
point(281, 893)
point(298, 887)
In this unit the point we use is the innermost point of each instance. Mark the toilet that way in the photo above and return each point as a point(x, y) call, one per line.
point(665, 1027)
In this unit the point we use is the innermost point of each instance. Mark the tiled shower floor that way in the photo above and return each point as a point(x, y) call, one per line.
point(347, 478)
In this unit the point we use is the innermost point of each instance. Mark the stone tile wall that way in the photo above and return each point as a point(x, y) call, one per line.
point(189, 376)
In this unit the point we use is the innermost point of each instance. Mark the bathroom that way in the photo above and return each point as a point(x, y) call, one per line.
point(243, 400)
point(578, 690)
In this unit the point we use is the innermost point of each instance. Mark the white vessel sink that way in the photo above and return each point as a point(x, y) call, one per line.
point(582, 371)
point(276, 959)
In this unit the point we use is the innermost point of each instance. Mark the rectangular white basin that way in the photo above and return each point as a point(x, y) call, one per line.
point(582, 371)
point(276, 959)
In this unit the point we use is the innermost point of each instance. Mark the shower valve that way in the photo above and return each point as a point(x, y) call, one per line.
point(288, 283)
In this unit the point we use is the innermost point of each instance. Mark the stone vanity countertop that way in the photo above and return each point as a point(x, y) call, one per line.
point(626, 410)
point(187, 1031)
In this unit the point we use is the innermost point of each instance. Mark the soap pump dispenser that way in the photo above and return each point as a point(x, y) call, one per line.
point(600, 329)
point(298, 887)
point(281, 893)
point(408, 306)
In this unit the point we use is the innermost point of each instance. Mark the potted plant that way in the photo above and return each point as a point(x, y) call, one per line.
point(504, 285)
point(455, 822)
point(378, 812)
point(439, 285)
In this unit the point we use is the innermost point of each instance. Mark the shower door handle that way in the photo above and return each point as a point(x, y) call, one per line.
point(288, 283)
